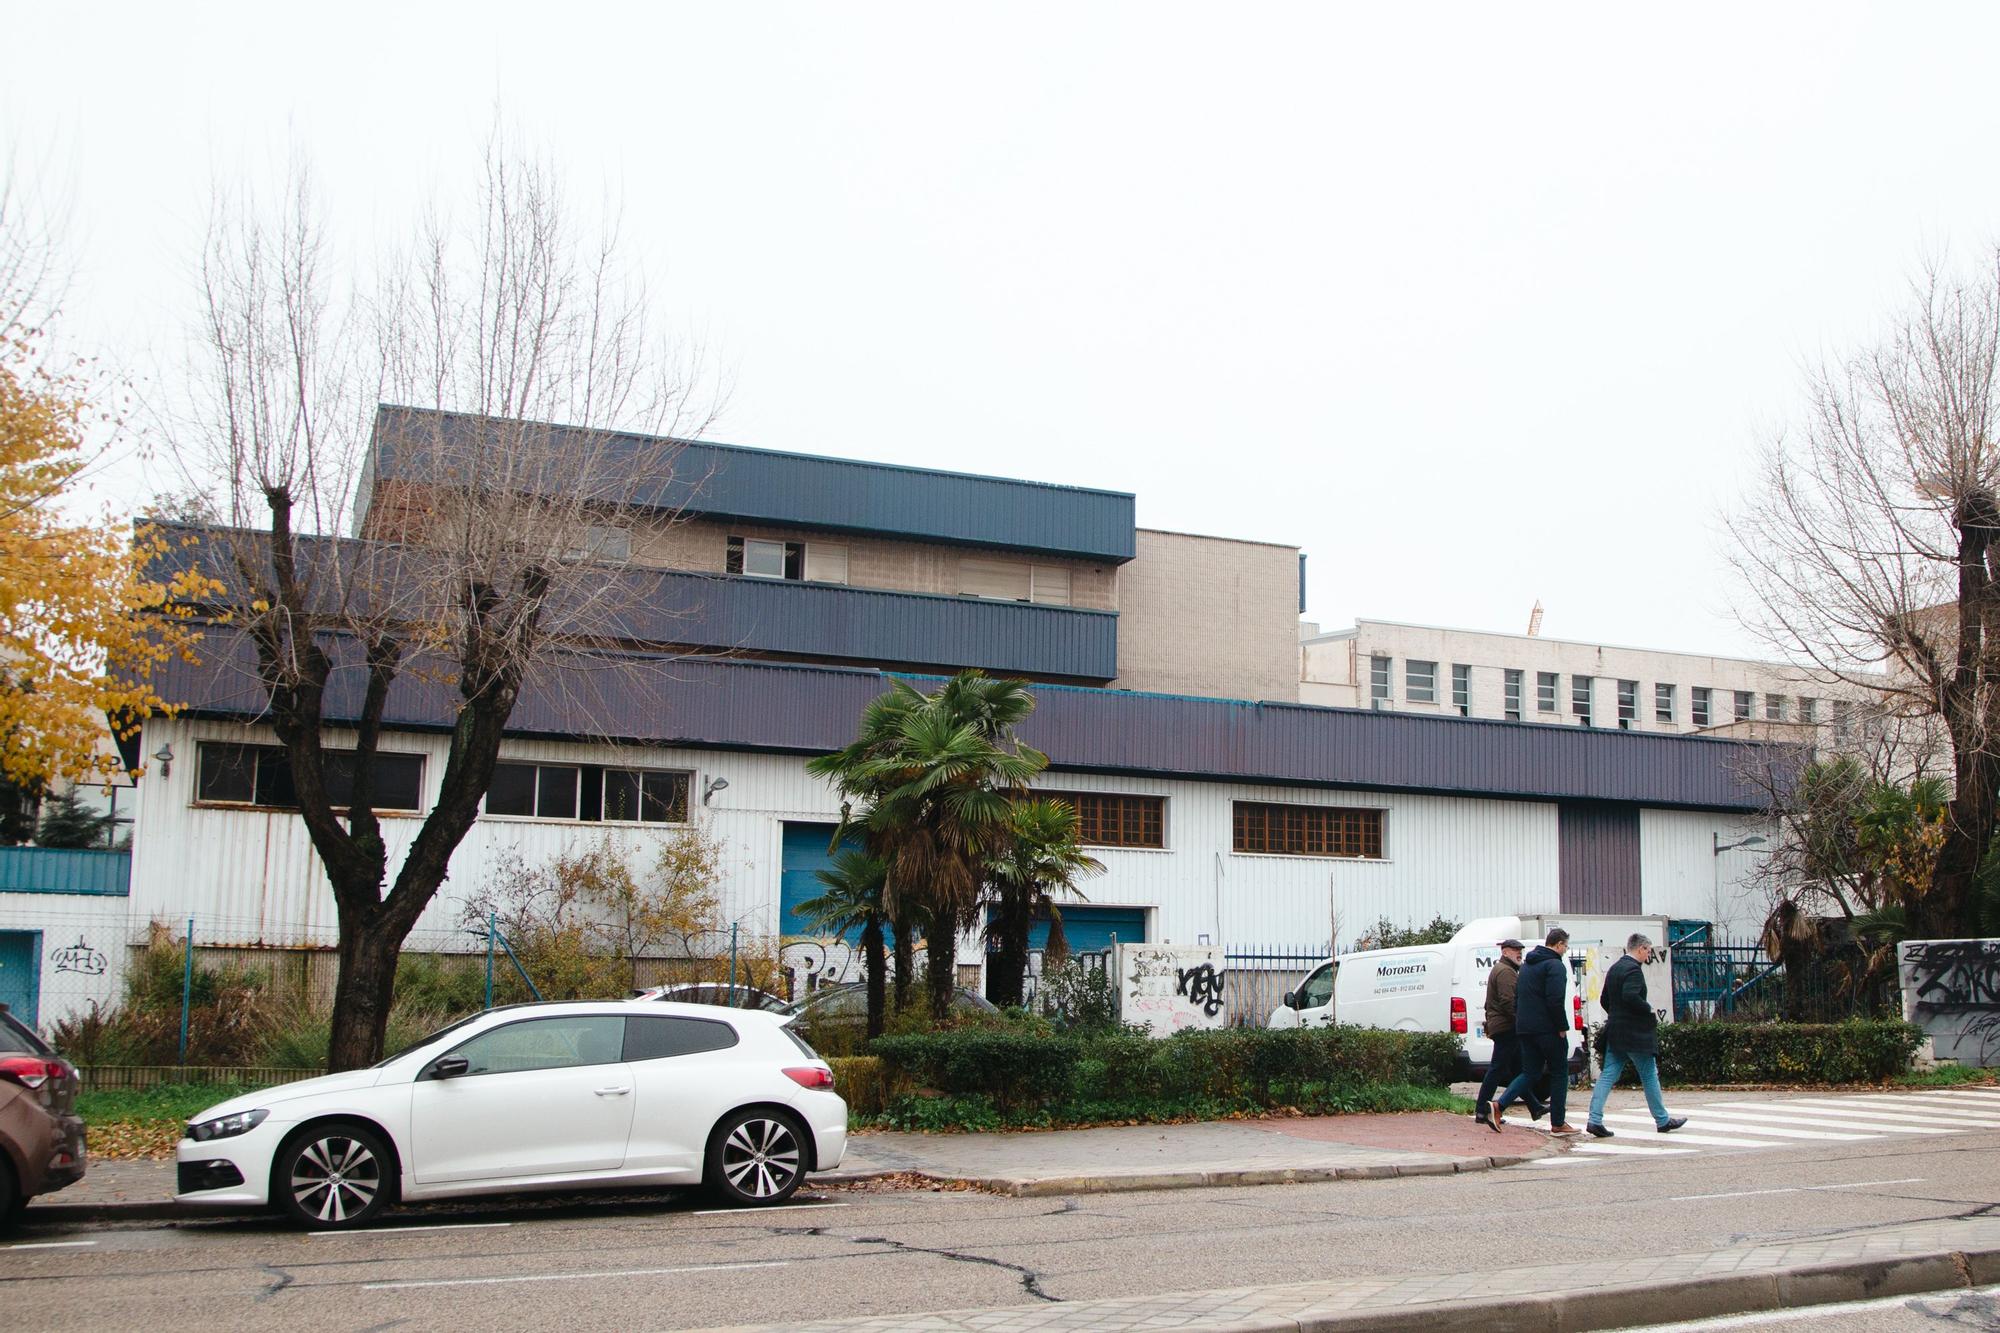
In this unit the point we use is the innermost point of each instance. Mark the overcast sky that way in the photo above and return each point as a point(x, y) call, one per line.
point(1478, 306)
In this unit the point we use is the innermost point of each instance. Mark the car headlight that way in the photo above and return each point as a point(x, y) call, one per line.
point(226, 1126)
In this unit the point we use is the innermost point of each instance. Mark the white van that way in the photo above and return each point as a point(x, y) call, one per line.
point(1421, 988)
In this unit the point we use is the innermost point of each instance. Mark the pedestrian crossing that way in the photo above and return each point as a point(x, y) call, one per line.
point(1750, 1124)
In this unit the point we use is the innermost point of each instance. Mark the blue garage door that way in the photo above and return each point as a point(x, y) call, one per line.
point(1089, 929)
point(20, 973)
point(804, 853)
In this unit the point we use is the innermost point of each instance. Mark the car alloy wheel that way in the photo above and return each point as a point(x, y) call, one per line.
point(333, 1177)
point(757, 1159)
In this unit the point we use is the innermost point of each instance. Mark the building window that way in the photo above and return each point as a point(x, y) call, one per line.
point(1843, 719)
point(1808, 710)
point(1107, 819)
point(1049, 585)
point(760, 559)
point(589, 793)
point(602, 543)
point(826, 562)
point(1420, 682)
point(1378, 679)
point(1512, 701)
point(1663, 704)
point(1308, 830)
point(1774, 708)
point(1745, 706)
point(1461, 690)
point(262, 775)
point(1700, 702)
point(1579, 697)
point(1628, 703)
point(1013, 581)
point(1545, 691)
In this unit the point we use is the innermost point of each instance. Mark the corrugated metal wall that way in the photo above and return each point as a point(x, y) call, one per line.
point(1599, 854)
point(1685, 878)
point(65, 870)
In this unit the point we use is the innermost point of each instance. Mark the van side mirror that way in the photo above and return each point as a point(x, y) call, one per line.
point(449, 1066)
point(1291, 999)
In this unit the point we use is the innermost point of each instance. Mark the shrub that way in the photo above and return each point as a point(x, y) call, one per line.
point(1009, 1066)
point(1859, 1051)
point(863, 1080)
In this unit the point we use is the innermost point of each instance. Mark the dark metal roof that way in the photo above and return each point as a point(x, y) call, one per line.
point(831, 494)
point(713, 703)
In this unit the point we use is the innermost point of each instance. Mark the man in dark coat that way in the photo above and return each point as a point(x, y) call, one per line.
point(1630, 1038)
point(1543, 1028)
point(1505, 1063)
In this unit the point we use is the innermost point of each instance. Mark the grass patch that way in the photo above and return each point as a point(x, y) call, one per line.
point(1944, 1076)
point(145, 1122)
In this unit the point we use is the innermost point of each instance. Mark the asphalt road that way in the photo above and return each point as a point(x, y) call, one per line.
point(670, 1263)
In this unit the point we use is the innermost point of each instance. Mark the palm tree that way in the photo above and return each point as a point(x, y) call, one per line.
point(937, 776)
point(853, 901)
point(1041, 863)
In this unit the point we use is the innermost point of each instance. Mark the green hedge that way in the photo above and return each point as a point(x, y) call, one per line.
point(863, 1081)
point(986, 1077)
point(1860, 1051)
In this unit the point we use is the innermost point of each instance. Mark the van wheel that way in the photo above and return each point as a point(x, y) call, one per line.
point(756, 1158)
point(333, 1176)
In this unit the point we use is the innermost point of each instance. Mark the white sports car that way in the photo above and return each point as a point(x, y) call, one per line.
point(532, 1097)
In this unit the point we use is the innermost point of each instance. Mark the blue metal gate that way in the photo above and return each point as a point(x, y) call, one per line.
point(21, 973)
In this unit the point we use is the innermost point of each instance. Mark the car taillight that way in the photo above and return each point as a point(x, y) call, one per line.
point(810, 1077)
point(30, 1071)
point(1458, 1013)
point(1576, 1007)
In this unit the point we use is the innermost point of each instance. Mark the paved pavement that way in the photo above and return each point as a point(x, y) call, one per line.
point(672, 1261)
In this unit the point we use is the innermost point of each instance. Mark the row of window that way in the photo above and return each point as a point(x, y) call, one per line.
point(260, 775)
point(1420, 686)
point(826, 562)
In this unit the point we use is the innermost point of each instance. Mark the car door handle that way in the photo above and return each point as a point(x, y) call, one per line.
point(613, 1092)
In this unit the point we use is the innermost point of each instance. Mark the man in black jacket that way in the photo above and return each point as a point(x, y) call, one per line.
point(1543, 1027)
point(1630, 1037)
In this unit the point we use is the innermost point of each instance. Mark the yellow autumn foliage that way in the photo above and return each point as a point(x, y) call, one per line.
point(83, 628)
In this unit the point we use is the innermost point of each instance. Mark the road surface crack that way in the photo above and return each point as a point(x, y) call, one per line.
point(1031, 1281)
point(282, 1279)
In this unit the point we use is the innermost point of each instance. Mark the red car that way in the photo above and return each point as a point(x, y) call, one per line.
point(41, 1135)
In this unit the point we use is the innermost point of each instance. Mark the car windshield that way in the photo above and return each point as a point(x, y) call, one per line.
point(446, 1030)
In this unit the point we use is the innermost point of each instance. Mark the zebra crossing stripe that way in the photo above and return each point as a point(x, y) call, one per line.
point(1705, 1139)
point(1871, 1113)
point(1701, 1115)
point(1627, 1150)
point(1755, 1121)
point(1906, 1106)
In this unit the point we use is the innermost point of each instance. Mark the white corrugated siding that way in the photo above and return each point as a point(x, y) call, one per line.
point(1680, 874)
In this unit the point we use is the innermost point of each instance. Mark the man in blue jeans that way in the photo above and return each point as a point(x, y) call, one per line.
point(1630, 1038)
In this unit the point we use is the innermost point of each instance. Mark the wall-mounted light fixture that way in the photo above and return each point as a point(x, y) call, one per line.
point(711, 787)
point(165, 754)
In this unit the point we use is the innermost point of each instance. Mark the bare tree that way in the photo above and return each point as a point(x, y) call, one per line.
point(1869, 549)
point(482, 558)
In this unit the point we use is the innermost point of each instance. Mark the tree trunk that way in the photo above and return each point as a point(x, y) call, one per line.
point(906, 961)
point(1007, 965)
point(941, 967)
point(1946, 911)
point(363, 991)
point(878, 982)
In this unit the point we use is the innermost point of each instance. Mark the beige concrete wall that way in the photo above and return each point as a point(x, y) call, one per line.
point(1209, 616)
point(872, 562)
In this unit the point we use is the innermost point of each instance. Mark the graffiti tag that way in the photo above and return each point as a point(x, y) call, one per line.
point(79, 958)
point(1951, 989)
point(1202, 985)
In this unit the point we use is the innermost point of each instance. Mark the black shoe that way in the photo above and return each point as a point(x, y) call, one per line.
point(1537, 1112)
point(1479, 1117)
point(1673, 1124)
point(1597, 1131)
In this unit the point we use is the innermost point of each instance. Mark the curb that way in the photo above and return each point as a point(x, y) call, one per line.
point(1014, 1187)
point(1677, 1299)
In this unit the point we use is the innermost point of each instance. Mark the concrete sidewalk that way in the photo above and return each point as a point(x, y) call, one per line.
point(1073, 1161)
point(1873, 1264)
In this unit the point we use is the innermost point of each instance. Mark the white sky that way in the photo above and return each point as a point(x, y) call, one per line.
point(1478, 305)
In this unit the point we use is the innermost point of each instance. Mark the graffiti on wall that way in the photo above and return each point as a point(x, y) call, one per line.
point(78, 958)
point(1166, 989)
point(814, 963)
point(1951, 989)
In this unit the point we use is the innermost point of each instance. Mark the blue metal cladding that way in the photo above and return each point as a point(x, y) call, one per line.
point(827, 620)
point(836, 494)
point(725, 704)
point(97, 872)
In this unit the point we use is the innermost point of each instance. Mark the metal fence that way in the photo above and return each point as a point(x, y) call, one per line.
point(1256, 977)
point(1722, 977)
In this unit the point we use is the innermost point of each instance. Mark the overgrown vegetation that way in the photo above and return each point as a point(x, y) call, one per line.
point(1386, 934)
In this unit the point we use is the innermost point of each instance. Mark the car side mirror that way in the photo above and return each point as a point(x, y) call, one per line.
point(449, 1066)
point(1291, 999)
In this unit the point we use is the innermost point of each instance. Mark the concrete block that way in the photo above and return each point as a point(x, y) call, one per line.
point(1426, 1169)
point(1664, 1302)
point(1869, 1279)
